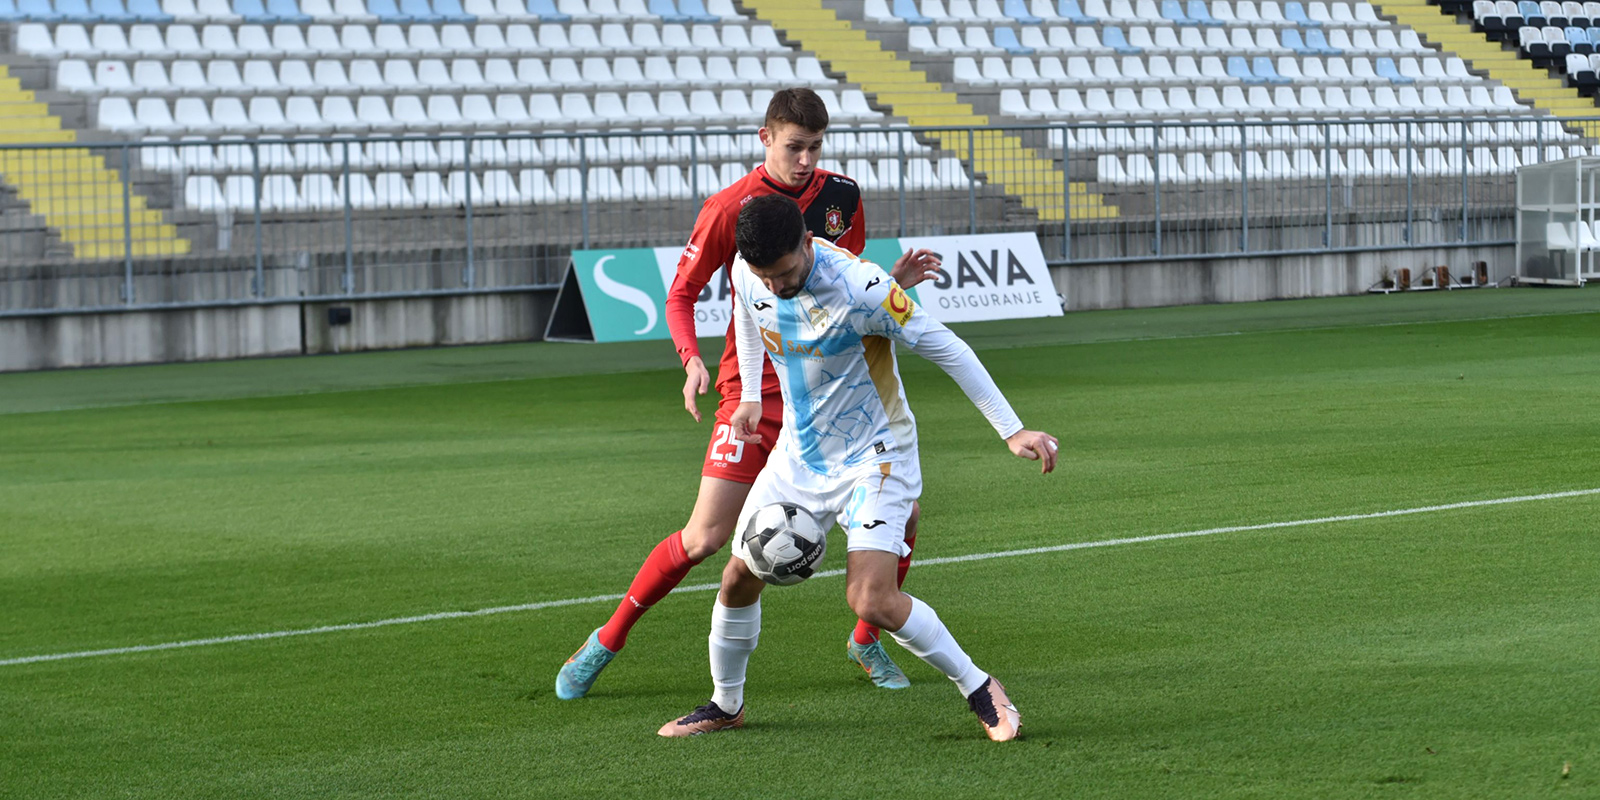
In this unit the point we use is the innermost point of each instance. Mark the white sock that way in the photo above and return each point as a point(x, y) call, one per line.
point(734, 634)
point(928, 639)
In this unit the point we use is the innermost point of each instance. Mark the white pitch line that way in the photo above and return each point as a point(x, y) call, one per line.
point(832, 573)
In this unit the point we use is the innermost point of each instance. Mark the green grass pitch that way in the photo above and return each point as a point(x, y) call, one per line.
point(1447, 654)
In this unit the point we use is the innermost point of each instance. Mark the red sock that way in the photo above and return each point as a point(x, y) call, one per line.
point(867, 634)
point(663, 570)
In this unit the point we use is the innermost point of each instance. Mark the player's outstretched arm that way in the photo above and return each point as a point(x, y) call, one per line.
point(1035, 446)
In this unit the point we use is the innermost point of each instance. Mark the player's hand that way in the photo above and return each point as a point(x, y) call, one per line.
point(915, 267)
point(1035, 446)
point(744, 421)
point(697, 382)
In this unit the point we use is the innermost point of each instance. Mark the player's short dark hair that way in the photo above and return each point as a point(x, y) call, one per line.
point(769, 228)
point(797, 106)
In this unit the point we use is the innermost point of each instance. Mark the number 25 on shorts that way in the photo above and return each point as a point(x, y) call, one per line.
point(724, 439)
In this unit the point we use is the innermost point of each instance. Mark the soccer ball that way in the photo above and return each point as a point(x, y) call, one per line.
point(782, 544)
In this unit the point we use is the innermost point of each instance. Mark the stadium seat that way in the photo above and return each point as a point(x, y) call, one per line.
point(1116, 40)
point(1295, 13)
point(1239, 69)
point(1006, 39)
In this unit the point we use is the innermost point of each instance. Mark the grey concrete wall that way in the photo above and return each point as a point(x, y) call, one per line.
point(1239, 280)
point(81, 340)
point(92, 340)
point(209, 334)
point(389, 324)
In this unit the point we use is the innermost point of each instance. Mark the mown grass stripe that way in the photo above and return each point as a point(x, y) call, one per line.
point(707, 587)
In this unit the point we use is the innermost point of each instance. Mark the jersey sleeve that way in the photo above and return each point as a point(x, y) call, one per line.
point(883, 308)
point(944, 348)
point(747, 340)
point(855, 239)
point(710, 248)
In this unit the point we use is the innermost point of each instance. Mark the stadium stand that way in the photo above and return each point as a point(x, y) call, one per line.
point(195, 78)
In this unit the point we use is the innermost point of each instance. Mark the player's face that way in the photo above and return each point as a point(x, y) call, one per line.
point(792, 153)
point(787, 276)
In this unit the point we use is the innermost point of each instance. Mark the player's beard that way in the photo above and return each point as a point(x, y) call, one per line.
point(811, 261)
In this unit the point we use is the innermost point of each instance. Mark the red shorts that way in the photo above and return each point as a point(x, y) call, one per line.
point(733, 460)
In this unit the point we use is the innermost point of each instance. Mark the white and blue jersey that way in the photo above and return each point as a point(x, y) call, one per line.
point(830, 344)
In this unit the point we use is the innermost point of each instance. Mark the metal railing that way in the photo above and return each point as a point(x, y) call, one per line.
point(160, 224)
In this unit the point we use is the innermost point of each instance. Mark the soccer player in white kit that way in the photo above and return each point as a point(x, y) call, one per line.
point(848, 448)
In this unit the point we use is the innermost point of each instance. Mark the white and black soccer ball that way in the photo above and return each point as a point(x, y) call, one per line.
point(782, 544)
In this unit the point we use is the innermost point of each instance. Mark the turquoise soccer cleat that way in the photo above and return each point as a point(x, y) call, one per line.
point(885, 674)
point(578, 674)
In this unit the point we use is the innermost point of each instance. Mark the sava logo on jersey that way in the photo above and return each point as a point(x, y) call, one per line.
point(780, 347)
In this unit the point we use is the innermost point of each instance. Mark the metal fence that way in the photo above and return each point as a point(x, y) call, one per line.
point(206, 222)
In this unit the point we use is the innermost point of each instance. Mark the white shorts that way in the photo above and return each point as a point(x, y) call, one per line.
point(871, 503)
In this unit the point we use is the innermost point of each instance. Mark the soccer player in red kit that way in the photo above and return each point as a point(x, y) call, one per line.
point(792, 134)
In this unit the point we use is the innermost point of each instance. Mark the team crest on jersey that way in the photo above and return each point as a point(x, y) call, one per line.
point(833, 222)
point(898, 304)
point(819, 316)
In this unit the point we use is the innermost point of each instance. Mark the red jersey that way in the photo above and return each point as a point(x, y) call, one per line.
point(832, 207)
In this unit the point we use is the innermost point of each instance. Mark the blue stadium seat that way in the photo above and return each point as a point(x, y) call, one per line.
point(1291, 39)
point(1007, 38)
point(1018, 10)
point(386, 11)
point(9, 12)
point(251, 10)
point(1116, 40)
point(1237, 68)
point(1262, 67)
point(667, 12)
point(907, 10)
point(1385, 68)
point(1296, 13)
point(1202, 15)
point(287, 12)
point(37, 11)
point(452, 12)
point(1173, 10)
point(148, 11)
point(696, 11)
point(1593, 35)
point(1580, 41)
point(1319, 43)
point(110, 11)
point(420, 11)
point(77, 10)
point(1532, 15)
point(546, 11)
point(1069, 11)
point(74, 10)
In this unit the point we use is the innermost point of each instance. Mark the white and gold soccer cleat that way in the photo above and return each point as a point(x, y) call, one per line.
point(705, 719)
point(1000, 718)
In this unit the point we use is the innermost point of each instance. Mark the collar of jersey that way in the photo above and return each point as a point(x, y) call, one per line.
point(778, 187)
